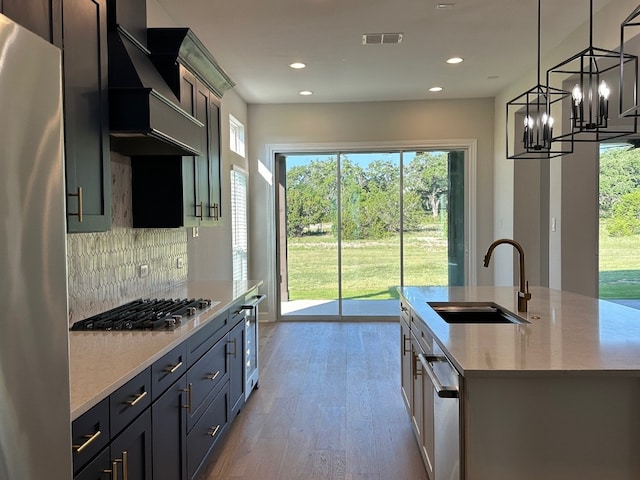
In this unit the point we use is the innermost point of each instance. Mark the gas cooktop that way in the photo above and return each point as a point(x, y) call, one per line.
point(149, 314)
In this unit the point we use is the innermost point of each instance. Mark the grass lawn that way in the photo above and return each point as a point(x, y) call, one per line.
point(619, 266)
point(371, 268)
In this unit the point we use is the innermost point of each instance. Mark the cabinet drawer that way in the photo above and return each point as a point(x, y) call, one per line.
point(90, 434)
point(207, 431)
point(208, 372)
point(168, 369)
point(129, 401)
point(199, 343)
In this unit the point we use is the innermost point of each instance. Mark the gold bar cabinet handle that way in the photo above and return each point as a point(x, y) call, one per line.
point(90, 439)
point(113, 471)
point(213, 431)
point(235, 347)
point(125, 464)
point(79, 212)
point(175, 367)
point(214, 376)
point(189, 391)
point(404, 346)
point(201, 207)
point(139, 396)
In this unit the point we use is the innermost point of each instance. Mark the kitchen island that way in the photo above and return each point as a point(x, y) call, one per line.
point(554, 397)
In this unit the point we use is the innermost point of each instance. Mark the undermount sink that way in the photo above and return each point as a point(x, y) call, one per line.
point(474, 312)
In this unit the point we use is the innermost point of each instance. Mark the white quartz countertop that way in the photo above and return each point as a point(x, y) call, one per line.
point(102, 361)
point(567, 333)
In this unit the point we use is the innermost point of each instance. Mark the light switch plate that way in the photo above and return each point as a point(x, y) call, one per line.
point(144, 270)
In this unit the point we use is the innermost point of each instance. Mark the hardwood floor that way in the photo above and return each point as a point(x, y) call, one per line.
point(328, 407)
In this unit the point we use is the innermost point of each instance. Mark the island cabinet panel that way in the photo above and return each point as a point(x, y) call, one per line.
point(86, 118)
point(169, 416)
point(406, 370)
point(554, 427)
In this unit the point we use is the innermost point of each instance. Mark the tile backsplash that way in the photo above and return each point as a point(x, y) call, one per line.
point(104, 268)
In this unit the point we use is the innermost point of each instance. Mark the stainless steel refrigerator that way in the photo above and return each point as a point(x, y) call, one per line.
point(35, 438)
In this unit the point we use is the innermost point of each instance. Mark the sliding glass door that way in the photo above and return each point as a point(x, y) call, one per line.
point(355, 225)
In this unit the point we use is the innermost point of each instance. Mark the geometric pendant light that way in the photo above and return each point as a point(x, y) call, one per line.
point(628, 74)
point(530, 125)
point(593, 78)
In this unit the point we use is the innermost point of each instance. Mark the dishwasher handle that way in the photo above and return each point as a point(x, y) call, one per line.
point(441, 390)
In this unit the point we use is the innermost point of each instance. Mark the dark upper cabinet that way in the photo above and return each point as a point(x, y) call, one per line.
point(39, 16)
point(183, 191)
point(86, 119)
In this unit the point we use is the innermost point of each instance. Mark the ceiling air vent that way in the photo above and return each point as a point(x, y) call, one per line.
point(381, 38)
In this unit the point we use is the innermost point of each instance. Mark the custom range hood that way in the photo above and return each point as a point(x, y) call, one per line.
point(145, 117)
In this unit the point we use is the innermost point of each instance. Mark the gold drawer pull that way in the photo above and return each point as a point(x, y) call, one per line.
point(125, 465)
point(235, 347)
point(189, 405)
point(113, 471)
point(174, 368)
point(213, 432)
point(90, 439)
point(79, 212)
point(139, 396)
point(214, 376)
point(200, 206)
point(404, 347)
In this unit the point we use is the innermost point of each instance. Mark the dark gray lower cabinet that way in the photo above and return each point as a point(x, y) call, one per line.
point(207, 431)
point(131, 450)
point(129, 455)
point(169, 428)
point(169, 418)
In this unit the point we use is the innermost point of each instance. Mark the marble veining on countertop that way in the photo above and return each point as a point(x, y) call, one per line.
point(567, 332)
point(102, 361)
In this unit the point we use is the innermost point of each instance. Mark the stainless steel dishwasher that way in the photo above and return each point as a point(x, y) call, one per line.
point(447, 413)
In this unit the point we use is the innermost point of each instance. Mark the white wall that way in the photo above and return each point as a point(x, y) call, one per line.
point(372, 122)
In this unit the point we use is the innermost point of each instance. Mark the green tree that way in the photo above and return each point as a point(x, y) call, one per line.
point(619, 175)
point(311, 195)
point(626, 215)
point(427, 176)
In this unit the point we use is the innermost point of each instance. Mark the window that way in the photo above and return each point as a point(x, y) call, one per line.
point(239, 244)
point(236, 136)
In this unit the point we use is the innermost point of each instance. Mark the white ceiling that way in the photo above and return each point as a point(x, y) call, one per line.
point(256, 40)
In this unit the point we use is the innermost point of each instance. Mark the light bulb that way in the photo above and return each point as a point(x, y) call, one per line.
point(550, 122)
point(603, 90)
point(529, 122)
point(545, 118)
point(576, 93)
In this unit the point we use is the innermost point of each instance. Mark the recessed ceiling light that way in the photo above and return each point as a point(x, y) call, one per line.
point(306, 92)
point(435, 89)
point(445, 6)
point(454, 60)
point(297, 65)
